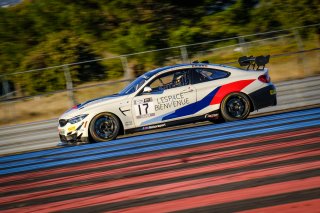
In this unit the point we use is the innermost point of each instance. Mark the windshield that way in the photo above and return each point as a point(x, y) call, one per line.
point(134, 85)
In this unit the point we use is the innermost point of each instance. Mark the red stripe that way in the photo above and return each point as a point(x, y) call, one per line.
point(297, 207)
point(229, 88)
point(161, 189)
point(156, 155)
point(197, 158)
point(224, 197)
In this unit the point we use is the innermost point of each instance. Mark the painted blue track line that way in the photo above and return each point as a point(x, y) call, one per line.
point(160, 147)
point(153, 142)
point(157, 135)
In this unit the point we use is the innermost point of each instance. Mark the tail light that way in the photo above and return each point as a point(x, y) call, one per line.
point(264, 78)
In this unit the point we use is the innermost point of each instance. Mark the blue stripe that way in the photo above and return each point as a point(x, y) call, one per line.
point(188, 131)
point(154, 147)
point(194, 107)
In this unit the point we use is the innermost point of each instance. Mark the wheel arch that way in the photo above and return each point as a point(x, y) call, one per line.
point(252, 105)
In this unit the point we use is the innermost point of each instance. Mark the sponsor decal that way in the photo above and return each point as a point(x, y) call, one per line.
point(171, 101)
point(71, 128)
point(153, 126)
point(128, 123)
point(199, 65)
point(273, 92)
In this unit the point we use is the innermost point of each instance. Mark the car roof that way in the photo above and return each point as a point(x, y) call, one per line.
point(192, 65)
point(156, 71)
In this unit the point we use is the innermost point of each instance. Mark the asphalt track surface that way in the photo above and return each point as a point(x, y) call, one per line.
point(262, 164)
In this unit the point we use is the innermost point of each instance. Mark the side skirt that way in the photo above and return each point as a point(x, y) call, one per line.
point(171, 123)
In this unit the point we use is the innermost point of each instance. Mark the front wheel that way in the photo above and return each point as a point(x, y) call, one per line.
point(235, 106)
point(104, 127)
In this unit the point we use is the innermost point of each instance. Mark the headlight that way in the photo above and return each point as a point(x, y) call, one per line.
point(77, 119)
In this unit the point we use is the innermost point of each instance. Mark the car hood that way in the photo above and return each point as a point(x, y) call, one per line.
point(83, 107)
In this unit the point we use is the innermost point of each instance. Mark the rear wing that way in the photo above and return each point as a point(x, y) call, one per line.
point(257, 63)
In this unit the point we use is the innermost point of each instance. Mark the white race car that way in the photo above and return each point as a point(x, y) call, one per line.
point(173, 95)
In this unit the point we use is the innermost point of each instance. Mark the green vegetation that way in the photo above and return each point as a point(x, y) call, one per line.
point(37, 34)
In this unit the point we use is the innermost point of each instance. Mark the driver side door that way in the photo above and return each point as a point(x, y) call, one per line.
point(172, 98)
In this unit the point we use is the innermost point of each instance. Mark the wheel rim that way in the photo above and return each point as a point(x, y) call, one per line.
point(105, 127)
point(236, 107)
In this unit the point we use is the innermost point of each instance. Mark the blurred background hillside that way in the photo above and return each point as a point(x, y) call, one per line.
point(55, 53)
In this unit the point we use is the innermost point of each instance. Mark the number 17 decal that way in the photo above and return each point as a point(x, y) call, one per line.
point(144, 108)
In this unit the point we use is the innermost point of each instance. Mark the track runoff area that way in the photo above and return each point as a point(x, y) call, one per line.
point(262, 164)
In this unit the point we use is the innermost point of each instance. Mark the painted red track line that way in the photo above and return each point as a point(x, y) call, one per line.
point(296, 207)
point(225, 197)
point(185, 203)
point(162, 164)
point(161, 189)
point(156, 155)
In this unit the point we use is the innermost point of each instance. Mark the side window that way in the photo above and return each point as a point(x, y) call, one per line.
point(170, 80)
point(203, 75)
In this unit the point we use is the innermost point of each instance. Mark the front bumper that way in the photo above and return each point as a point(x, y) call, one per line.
point(72, 133)
point(70, 138)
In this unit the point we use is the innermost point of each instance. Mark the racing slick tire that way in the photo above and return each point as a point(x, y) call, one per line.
point(104, 127)
point(235, 106)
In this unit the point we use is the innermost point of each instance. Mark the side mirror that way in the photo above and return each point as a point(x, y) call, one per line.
point(147, 89)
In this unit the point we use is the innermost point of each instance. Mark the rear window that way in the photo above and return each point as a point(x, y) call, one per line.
point(204, 74)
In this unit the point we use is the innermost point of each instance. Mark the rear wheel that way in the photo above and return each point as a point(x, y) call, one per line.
point(235, 106)
point(104, 127)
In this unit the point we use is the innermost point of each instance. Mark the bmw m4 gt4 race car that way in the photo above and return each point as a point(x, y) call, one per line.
point(173, 95)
